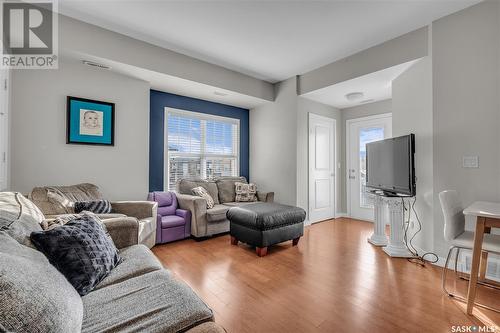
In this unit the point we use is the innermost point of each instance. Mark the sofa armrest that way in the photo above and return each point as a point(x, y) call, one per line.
point(265, 196)
point(185, 214)
point(198, 208)
point(123, 230)
point(138, 209)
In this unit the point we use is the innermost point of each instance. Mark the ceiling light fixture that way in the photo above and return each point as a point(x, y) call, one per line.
point(218, 93)
point(95, 64)
point(354, 96)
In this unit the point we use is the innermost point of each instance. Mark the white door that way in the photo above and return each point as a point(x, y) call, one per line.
point(360, 132)
point(321, 168)
point(4, 121)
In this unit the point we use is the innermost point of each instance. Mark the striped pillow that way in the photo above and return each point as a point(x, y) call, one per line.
point(94, 206)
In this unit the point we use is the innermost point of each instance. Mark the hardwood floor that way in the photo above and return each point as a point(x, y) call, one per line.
point(333, 281)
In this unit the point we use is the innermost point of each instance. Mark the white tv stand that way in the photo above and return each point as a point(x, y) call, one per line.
point(395, 246)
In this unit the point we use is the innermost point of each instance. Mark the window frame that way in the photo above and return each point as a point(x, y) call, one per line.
point(203, 117)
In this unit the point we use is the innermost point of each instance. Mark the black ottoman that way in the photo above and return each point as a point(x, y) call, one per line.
point(262, 224)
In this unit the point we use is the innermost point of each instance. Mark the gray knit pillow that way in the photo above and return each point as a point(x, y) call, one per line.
point(94, 206)
point(80, 250)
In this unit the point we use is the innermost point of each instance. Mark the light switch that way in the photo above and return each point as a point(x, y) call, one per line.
point(470, 162)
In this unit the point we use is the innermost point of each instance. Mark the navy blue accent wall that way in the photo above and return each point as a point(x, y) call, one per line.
point(158, 101)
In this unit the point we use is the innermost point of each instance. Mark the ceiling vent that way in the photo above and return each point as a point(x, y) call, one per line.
point(95, 64)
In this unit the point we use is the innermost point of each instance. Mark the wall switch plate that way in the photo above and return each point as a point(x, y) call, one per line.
point(470, 161)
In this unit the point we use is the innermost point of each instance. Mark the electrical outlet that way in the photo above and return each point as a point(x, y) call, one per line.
point(470, 161)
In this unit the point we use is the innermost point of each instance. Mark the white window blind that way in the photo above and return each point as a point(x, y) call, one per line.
point(201, 146)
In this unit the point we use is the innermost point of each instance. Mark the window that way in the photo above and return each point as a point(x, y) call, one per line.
point(201, 146)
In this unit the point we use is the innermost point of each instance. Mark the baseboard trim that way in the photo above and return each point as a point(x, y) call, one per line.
point(341, 214)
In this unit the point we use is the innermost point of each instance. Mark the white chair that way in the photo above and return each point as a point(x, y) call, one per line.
point(460, 239)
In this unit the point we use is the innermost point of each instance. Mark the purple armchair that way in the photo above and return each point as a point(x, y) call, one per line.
point(172, 223)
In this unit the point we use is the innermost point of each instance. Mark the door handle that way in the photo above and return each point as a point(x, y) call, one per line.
point(352, 177)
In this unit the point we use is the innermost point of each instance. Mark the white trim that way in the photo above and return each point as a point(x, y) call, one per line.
point(334, 123)
point(348, 122)
point(5, 130)
point(341, 214)
point(203, 117)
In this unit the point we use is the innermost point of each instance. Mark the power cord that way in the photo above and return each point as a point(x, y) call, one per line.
point(418, 259)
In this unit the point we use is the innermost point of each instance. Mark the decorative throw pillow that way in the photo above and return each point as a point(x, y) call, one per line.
point(245, 192)
point(94, 206)
point(201, 192)
point(80, 250)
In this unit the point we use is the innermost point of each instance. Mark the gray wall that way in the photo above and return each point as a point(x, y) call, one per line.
point(466, 89)
point(40, 155)
point(279, 144)
point(412, 113)
point(364, 110)
point(407, 47)
point(305, 107)
point(273, 148)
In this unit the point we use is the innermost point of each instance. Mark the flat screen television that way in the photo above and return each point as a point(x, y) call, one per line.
point(390, 165)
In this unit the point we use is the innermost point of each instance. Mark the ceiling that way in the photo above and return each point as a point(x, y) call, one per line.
point(375, 87)
point(269, 40)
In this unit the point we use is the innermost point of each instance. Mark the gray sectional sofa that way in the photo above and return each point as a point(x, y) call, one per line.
point(138, 295)
point(207, 222)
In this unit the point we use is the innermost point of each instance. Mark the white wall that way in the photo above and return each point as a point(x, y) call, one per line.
point(304, 107)
point(360, 111)
point(273, 144)
point(466, 89)
point(40, 155)
point(412, 113)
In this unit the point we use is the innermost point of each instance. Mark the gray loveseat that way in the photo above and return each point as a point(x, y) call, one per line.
point(59, 200)
point(207, 222)
point(138, 295)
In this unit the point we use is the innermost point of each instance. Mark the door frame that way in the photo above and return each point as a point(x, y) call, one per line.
point(5, 130)
point(347, 152)
point(309, 156)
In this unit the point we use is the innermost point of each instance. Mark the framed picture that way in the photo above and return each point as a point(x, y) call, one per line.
point(90, 122)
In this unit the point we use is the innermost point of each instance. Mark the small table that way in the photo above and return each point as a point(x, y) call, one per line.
point(487, 216)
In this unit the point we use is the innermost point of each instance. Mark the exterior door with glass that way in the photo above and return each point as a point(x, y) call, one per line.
point(360, 132)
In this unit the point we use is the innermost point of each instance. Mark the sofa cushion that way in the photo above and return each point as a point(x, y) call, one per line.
point(226, 188)
point(184, 186)
point(218, 213)
point(55, 200)
point(153, 302)
point(81, 250)
point(171, 221)
point(19, 217)
point(136, 260)
point(236, 204)
point(34, 296)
